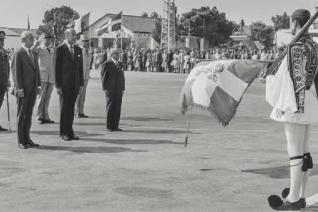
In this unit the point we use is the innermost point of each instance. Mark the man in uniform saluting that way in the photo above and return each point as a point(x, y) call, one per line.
point(4, 72)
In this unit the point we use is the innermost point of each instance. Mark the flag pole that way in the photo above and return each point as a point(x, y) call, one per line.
point(186, 140)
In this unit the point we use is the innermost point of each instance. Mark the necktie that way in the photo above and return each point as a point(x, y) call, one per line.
point(72, 51)
point(31, 56)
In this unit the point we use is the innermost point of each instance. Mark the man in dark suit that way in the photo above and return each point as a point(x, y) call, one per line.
point(69, 81)
point(27, 86)
point(113, 80)
point(4, 72)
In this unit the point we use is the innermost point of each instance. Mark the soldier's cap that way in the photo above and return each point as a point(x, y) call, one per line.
point(114, 51)
point(2, 35)
point(84, 38)
point(301, 14)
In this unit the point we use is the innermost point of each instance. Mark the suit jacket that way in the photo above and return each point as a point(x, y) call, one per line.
point(113, 77)
point(4, 68)
point(26, 73)
point(68, 70)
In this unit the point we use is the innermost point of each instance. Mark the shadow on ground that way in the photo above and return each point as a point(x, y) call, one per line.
point(144, 192)
point(104, 124)
point(85, 149)
point(57, 133)
point(312, 208)
point(159, 131)
point(139, 118)
point(131, 141)
point(281, 172)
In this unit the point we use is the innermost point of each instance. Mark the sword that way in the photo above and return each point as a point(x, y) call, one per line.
point(8, 109)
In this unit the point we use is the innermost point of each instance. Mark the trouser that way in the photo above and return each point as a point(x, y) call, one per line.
point(67, 101)
point(44, 100)
point(24, 115)
point(3, 90)
point(81, 99)
point(113, 109)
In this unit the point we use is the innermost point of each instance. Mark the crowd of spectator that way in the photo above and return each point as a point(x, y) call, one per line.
point(180, 60)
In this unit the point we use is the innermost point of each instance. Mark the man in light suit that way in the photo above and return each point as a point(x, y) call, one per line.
point(27, 86)
point(87, 65)
point(69, 81)
point(113, 80)
point(47, 73)
point(4, 72)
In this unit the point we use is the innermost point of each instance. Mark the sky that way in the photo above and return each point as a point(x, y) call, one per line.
point(14, 13)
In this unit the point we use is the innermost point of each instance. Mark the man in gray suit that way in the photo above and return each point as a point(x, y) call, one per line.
point(27, 86)
point(46, 64)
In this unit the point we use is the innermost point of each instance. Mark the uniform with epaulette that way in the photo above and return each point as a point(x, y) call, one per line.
point(4, 71)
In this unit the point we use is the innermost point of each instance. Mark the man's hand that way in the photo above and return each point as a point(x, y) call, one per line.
point(21, 93)
point(81, 90)
point(59, 91)
point(38, 91)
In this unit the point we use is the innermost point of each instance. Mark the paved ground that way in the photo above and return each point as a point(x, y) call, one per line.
point(146, 167)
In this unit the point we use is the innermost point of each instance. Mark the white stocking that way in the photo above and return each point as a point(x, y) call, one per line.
point(306, 174)
point(295, 135)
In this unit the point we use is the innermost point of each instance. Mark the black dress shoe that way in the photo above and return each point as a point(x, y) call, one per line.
point(32, 144)
point(74, 137)
point(118, 129)
point(276, 203)
point(41, 121)
point(110, 130)
point(3, 129)
point(23, 146)
point(66, 138)
point(82, 116)
point(48, 121)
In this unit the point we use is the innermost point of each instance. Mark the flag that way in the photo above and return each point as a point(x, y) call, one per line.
point(116, 22)
point(28, 23)
point(85, 22)
point(112, 25)
point(218, 86)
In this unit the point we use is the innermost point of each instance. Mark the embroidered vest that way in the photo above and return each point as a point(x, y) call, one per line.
point(303, 67)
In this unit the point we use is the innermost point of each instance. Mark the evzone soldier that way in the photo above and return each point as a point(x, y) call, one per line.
point(4, 72)
point(87, 65)
point(302, 65)
point(47, 72)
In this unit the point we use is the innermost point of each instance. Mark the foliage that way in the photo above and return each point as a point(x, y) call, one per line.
point(208, 23)
point(281, 21)
point(144, 15)
point(263, 33)
point(58, 18)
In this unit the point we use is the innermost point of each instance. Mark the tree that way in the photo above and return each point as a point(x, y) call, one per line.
point(208, 23)
point(263, 33)
point(154, 15)
point(144, 15)
point(281, 21)
point(156, 33)
point(58, 18)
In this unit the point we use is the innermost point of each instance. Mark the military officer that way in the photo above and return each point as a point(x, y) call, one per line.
point(4, 72)
point(87, 65)
point(46, 59)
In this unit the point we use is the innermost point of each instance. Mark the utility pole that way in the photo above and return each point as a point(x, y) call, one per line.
point(168, 28)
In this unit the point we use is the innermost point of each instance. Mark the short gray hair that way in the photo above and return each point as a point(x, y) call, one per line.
point(25, 35)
